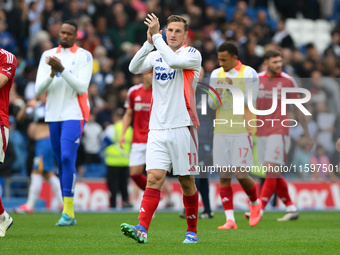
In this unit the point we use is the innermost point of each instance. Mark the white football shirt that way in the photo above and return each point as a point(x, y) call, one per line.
point(66, 91)
point(175, 76)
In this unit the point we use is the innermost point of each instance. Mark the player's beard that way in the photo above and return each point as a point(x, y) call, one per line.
point(65, 44)
point(274, 72)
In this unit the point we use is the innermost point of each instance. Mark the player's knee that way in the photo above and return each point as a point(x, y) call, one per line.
point(154, 181)
point(188, 184)
point(66, 160)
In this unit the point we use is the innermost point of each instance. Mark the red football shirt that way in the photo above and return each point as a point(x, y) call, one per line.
point(139, 100)
point(265, 100)
point(8, 65)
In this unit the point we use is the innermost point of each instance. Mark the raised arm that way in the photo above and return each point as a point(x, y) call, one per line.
point(190, 59)
point(141, 62)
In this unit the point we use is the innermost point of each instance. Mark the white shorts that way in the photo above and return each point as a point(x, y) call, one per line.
point(137, 154)
point(273, 149)
point(232, 150)
point(4, 133)
point(175, 147)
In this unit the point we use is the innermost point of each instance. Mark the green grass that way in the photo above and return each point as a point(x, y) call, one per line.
point(99, 233)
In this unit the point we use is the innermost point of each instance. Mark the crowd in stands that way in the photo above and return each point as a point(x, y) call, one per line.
point(113, 31)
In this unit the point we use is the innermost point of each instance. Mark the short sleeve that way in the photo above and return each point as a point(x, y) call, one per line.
point(129, 100)
point(8, 65)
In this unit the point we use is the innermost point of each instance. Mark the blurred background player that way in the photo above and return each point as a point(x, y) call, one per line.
point(273, 138)
point(44, 163)
point(172, 139)
point(117, 158)
point(65, 73)
point(232, 146)
point(137, 104)
point(8, 65)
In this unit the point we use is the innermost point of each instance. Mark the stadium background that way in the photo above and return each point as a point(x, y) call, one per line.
point(307, 32)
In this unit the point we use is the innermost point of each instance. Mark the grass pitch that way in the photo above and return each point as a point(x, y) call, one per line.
point(99, 233)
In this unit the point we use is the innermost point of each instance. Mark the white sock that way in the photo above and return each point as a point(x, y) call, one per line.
point(291, 208)
point(256, 202)
point(4, 216)
point(229, 214)
point(34, 190)
point(55, 185)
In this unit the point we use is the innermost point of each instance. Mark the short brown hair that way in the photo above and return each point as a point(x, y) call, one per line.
point(177, 18)
point(271, 54)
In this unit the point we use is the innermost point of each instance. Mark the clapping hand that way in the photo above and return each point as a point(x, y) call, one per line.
point(55, 63)
point(149, 36)
point(153, 24)
point(227, 80)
